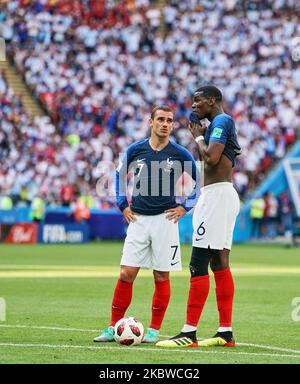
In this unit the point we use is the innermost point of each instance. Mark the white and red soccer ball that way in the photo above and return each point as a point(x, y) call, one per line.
point(129, 331)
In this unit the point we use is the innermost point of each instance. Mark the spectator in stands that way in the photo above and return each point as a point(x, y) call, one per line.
point(285, 214)
point(81, 211)
point(24, 198)
point(270, 215)
point(76, 57)
point(257, 214)
point(38, 208)
point(6, 203)
point(66, 194)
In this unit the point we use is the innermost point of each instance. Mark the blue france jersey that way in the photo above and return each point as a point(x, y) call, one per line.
point(222, 130)
point(155, 177)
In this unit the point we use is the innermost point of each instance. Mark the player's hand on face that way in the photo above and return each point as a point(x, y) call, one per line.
point(130, 217)
point(174, 214)
point(197, 129)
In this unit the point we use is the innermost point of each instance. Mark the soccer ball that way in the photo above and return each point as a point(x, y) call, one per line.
point(129, 331)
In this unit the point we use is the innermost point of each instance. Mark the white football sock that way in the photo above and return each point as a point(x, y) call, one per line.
point(224, 329)
point(188, 328)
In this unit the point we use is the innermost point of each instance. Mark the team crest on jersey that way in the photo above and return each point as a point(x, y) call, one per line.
point(168, 167)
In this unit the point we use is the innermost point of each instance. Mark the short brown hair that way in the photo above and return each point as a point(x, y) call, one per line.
point(210, 90)
point(160, 108)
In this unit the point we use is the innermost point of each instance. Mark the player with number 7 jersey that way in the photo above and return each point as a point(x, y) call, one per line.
point(152, 239)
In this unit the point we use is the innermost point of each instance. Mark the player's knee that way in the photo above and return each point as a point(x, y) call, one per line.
point(127, 276)
point(160, 276)
point(218, 266)
point(199, 261)
point(219, 260)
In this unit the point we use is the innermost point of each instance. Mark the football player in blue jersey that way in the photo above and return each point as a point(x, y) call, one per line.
point(152, 239)
point(213, 220)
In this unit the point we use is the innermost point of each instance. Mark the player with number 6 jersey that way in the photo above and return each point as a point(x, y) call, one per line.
point(213, 220)
point(152, 239)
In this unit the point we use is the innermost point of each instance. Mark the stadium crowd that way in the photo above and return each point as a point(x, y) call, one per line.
point(99, 67)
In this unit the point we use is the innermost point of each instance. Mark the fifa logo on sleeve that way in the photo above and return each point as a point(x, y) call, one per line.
point(2, 49)
point(2, 309)
point(296, 310)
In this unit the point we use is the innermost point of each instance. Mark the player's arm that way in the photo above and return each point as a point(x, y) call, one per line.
point(121, 186)
point(211, 152)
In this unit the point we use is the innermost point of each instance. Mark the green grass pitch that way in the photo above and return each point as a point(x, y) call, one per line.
point(58, 297)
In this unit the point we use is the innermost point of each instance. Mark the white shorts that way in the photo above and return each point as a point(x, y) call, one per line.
point(215, 215)
point(152, 242)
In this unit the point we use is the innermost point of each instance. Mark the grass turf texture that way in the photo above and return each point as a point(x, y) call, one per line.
point(70, 288)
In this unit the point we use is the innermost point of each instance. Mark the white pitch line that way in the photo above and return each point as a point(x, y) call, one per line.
point(139, 349)
point(274, 348)
point(269, 347)
point(49, 328)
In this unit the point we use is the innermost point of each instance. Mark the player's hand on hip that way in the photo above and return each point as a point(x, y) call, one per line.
point(175, 213)
point(130, 217)
point(197, 129)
